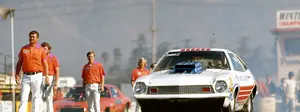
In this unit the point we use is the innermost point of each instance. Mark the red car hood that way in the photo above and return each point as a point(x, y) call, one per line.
point(105, 102)
point(67, 103)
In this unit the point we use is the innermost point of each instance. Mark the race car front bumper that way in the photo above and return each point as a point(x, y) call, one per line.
point(181, 105)
point(217, 99)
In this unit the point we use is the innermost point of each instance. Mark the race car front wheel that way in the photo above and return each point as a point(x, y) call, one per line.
point(107, 110)
point(231, 106)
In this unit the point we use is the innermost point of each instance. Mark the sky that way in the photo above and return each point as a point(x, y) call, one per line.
point(73, 27)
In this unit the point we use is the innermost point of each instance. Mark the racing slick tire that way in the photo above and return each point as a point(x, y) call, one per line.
point(107, 110)
point(148, 109)
point(231, 106)
point(248, 107)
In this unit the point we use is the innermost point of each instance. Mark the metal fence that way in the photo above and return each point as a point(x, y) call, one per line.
point(5, 63)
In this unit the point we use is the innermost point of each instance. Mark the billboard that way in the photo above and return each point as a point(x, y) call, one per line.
point(288, 19)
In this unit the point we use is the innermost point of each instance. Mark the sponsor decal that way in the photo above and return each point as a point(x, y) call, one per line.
point(230, 84)
point(243, 78)
point(26, 51)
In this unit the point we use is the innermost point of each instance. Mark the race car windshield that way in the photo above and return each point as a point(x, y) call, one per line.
point(208, 59)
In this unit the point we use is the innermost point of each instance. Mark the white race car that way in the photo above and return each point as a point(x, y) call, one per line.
point(196, 79)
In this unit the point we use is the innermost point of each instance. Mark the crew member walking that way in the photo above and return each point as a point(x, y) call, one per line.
point(93, 81)
point(32, 60)
point(53, 69)
point(290, 91)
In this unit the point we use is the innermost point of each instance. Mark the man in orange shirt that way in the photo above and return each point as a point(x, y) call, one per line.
point(93, 82)
point(53, 69)
point(32, 60)
point(141, 70)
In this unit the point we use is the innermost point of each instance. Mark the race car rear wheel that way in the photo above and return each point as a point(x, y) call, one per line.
point(248, 107)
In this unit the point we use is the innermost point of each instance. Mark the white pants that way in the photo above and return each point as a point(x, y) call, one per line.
point(31, 83)
point(283, 105)
point(92, 95)
point(290, 106)
point(47, 104)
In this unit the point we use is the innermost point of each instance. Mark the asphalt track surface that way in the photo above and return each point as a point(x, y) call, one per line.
point(132, 109)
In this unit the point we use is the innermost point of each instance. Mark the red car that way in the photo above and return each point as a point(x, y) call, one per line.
point(112, 100)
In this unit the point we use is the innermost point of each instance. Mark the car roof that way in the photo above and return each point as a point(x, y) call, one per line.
point(200, 49)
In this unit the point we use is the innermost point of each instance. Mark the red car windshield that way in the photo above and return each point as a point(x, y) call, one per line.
point(78, 93)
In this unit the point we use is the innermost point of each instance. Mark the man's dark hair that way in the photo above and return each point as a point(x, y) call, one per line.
point(291, 74)
point(34, 32)
point(90, 52)
point(46, 44)
point(152, 65)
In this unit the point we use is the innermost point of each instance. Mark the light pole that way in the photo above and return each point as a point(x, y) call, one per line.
point(1, 54)
point(4, 12)
point(153, 31)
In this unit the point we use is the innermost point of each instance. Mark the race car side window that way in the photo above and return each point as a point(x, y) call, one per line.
point(114, 92)
point(242, 62)
point(235, 63)
point(105, 93)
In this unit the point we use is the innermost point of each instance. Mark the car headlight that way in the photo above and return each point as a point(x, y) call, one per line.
point(140, 87)
point(221, 86)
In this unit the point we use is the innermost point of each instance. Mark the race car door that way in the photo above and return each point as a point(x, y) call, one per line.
point(117, 99)
point(244, 77)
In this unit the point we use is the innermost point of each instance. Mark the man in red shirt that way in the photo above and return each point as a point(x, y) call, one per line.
point(141, 70)
point(93, 82)
point(32, 60)
point(53, 68)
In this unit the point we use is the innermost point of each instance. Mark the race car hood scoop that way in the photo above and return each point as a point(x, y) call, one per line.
point(187, 67)
point(205, 78)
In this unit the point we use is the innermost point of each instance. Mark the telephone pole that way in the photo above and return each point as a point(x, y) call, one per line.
point(153, 31)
